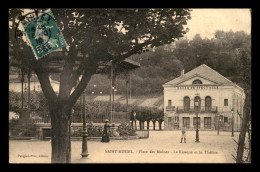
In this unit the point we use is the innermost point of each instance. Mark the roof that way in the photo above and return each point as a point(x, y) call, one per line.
point(55, 64)
point(203, 71)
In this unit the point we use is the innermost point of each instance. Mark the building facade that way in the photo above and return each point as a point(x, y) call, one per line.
point(204, 96)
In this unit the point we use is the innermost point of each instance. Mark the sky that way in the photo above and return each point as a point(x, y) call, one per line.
point(206, 21)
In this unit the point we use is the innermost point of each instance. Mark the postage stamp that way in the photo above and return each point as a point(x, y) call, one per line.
point(43, 34)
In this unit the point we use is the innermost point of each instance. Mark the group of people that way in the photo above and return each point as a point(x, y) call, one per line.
point(105, 135)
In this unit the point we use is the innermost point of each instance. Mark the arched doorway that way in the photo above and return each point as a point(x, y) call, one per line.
point(197, 103)
point(208, 104)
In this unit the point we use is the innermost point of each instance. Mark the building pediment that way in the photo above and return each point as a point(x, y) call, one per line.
point(197, 79)
point(204, 73)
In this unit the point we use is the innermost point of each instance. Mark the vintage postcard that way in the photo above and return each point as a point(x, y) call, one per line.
point(129, 85)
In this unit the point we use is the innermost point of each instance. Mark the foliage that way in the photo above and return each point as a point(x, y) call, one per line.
point(18, 128)
point(160, 116)
point(126, 130)
point(94, 131)
point(219, 53)
point(38, 103)
point(147, 114)
point(77, 132)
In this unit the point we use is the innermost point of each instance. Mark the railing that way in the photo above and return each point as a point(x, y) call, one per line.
point(170, 108)
point(200, 109)
point(44, 120)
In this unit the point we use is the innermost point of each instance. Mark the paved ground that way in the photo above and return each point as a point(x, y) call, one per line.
point(160, 147)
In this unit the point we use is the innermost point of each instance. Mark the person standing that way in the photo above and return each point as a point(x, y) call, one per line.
point(135, 120)
point(105, 136)
point(183, 132)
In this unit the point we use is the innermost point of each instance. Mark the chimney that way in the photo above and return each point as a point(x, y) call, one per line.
point(182, 73)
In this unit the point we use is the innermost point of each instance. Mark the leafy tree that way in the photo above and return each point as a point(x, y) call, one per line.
point(153, 120)
point(160, 118)
point(101, 35)
point(140, 116)
point(154, 115)
point(219, 53)
point(148, 117)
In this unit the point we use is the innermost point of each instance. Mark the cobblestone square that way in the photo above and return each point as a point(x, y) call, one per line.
point(160, 147)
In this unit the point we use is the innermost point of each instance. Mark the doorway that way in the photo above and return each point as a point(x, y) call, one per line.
point(186, 122)
point(207, 122)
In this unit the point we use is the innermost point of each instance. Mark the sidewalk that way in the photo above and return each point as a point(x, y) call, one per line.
point(160, 147)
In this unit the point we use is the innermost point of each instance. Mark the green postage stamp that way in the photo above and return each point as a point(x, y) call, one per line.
point(44, 34)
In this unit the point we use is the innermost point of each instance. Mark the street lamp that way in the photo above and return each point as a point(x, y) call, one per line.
point(84, 131)
point(95, 89)
point(218, 122)
point(232, 112)
point(197, 126)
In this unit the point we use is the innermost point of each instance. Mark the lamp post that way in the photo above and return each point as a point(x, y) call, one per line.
point(197, 126)
point(218, 123)
point(232, 112)
point(84, 131)
point(22, 81)
point(95, 89)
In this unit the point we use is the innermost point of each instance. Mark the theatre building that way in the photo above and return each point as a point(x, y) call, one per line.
point(205, 93)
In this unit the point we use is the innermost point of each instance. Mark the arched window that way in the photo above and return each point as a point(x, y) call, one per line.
point(197, 81)
point(197, 103)
point(208, 104)
point(186, 105)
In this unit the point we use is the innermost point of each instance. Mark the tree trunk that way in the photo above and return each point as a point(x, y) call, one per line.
point(154, 125)
point(148, 122)
point(249, 145)
point(242, 135)
point(60, 135)
point(246, 78)
point(160, 125)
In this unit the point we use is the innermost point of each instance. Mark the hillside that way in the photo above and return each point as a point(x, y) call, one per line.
point(134, 101)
